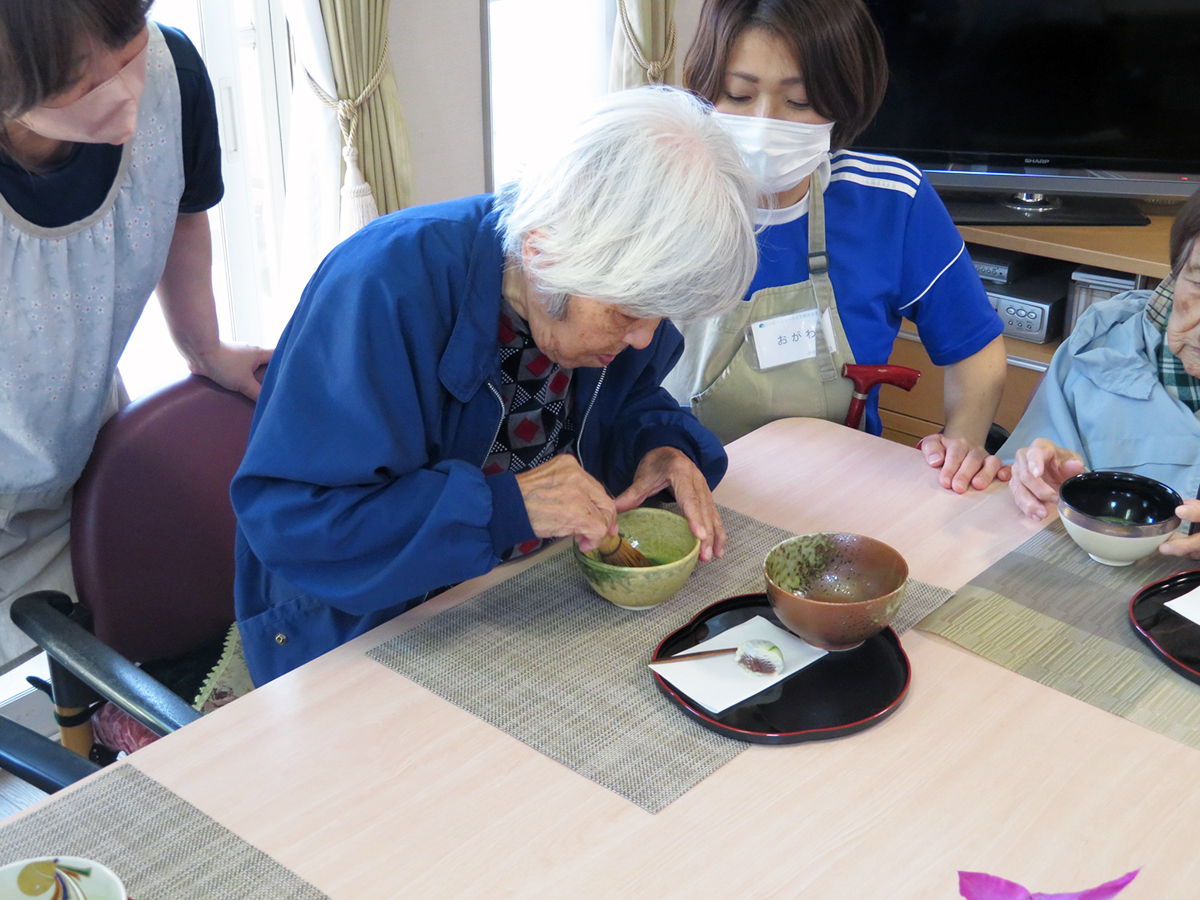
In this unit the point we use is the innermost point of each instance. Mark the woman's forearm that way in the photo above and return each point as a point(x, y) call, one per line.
point(185, 290)
point(972, 394)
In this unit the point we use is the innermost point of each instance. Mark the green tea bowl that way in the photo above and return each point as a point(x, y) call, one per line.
point(665, 539)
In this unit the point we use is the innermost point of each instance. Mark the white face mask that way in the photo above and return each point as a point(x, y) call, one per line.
point(781, 154)
point(107, 114)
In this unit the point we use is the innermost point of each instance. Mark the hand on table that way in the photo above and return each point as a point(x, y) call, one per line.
point(964, 465)
point(562, 499)
point(1038, 472)
point(1180, 544)
point(668, 467)
point(232, 366)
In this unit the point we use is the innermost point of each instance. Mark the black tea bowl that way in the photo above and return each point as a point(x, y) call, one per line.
point(1116, 517)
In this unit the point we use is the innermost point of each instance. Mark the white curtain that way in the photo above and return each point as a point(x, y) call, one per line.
point(643, 50)
point(314, 163)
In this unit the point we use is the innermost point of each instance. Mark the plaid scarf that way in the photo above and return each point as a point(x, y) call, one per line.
point(1179, 384)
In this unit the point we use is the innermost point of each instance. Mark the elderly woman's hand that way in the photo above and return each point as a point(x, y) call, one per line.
point(562, 499)
point(1038, 472)
point(1180, 544)
point(668, 467)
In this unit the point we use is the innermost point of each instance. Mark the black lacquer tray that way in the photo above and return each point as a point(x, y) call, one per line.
point(841, 693)
point(1172, 636)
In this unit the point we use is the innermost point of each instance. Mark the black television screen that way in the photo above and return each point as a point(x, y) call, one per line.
point(1098, 96)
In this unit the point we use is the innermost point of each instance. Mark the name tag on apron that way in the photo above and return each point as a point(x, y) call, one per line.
point(790, 338)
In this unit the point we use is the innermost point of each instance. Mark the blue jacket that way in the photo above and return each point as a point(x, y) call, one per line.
point(361, 489)
point(1102, 398)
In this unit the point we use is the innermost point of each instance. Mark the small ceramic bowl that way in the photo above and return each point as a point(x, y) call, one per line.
point(664, 538)
point(64, 877)
point(1116, 517)
point(835, 590)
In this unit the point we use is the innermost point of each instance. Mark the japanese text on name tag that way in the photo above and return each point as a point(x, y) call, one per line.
point(790, 338)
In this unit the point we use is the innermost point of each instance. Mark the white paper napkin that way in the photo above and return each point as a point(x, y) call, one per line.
point(718, 682)
point(1187, 605)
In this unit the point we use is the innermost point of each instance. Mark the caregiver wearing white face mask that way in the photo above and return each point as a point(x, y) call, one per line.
point(852, 243)
point(109, 160)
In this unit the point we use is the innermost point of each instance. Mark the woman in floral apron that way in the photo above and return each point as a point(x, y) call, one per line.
point(97, 211)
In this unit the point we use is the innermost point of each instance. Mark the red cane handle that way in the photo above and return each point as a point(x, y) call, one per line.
point(866, 377)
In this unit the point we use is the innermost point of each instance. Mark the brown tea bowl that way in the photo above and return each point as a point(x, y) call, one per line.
point(835, 590)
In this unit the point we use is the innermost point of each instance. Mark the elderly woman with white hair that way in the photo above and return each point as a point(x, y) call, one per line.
point(464, 380)
point(1123, 393)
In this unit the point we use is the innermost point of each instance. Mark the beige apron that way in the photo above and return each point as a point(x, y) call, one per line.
point(719, 373)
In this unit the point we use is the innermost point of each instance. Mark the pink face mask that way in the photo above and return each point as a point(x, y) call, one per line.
point(107, 114)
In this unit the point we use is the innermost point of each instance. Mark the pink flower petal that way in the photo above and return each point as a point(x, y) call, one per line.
point(981, 886)
point(1102, 892)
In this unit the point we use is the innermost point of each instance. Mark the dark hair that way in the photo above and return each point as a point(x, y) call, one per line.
point(1184, 231)
point(41, 42)
point(836, 44)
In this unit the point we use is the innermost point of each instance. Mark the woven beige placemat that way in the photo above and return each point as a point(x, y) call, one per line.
point(1050, 613)
point(159, 845)
point(546, 660)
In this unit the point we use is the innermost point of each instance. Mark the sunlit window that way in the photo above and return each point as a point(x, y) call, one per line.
point(245, 50)
point(549, 58)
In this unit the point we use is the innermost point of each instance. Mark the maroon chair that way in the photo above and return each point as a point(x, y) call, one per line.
point(152, 536)
point(152, 527)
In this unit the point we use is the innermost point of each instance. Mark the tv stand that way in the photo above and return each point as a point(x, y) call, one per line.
point(1140, 251)
point(1031, 202)
point(981, 208)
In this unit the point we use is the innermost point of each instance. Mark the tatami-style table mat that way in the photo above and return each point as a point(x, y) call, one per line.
point(546, 660)
point(159, 845)
point(1050, 613)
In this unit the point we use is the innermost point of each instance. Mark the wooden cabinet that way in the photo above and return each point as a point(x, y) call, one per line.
point(908, 417)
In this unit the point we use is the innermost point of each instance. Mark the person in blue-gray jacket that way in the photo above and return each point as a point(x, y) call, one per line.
point(464, 380)
point(1123, 393)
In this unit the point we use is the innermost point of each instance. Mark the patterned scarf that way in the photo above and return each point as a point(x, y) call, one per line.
point(537, 399)
point(1179, 384)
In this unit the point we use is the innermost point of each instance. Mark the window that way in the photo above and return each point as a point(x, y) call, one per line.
point(548, 59)
point(244, 45)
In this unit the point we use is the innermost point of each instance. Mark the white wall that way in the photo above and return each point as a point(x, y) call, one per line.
point(437, 56)
point(687, 16)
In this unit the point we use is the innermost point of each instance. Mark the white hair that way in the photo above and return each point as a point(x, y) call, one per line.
point(649, 208)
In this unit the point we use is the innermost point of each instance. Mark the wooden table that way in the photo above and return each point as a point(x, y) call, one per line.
point(370, 787)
